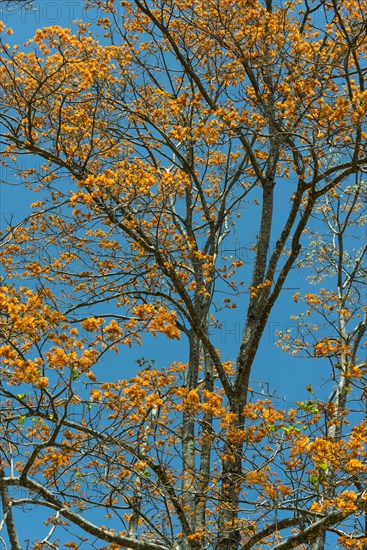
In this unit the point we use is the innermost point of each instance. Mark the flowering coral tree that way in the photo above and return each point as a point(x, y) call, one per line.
point(173, 132)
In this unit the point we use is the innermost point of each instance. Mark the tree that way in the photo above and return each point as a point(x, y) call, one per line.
point(183, 131)
point(26, 3)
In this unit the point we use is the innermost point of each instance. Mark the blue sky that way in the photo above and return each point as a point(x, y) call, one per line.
point(24, 23)
point(287, 375)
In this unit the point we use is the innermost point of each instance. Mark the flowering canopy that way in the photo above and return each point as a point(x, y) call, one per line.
point(176, 132)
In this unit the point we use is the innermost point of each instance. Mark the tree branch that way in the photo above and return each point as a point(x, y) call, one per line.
point(77, 519)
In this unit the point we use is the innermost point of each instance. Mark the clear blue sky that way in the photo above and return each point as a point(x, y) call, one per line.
point(24, 23)
point(287, 375)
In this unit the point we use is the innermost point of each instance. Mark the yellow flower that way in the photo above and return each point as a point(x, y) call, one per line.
point(42, 382)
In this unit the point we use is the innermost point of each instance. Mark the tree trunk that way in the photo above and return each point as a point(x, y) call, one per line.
point(7, 511)
point(188, 439)
point(229, 536)
point(205, 457)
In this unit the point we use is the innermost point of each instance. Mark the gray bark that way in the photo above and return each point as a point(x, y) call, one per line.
point(207, 430)
point(188, 440)
point(8, 514)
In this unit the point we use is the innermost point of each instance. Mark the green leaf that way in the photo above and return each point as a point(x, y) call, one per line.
point(315, 480)
point(21, 395)
point(309, 406)
point(290, 429)
point(323, 466)
point(22, 419)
